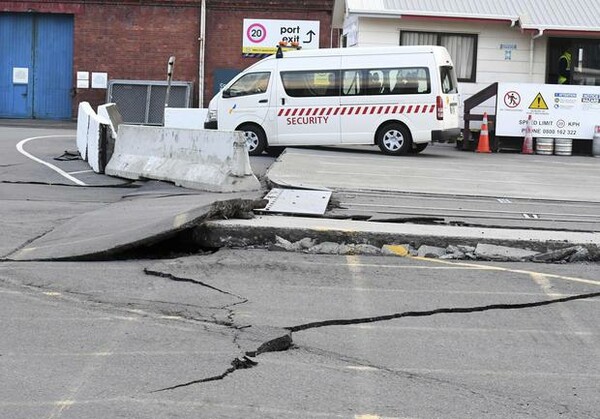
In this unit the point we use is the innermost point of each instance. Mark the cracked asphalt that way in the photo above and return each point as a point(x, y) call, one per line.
point(183, 338)
point(253, 333)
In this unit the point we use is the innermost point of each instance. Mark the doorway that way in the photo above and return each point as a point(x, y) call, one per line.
point(37, 61)
point(585, 64)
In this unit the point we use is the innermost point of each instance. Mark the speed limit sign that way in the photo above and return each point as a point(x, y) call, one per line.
point(256, 33)
point(261, 36)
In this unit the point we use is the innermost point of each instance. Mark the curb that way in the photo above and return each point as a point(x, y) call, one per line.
point(263, 230)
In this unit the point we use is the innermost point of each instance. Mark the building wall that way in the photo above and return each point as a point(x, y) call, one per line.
point(491, 65)
point(133, 40)
point(224, 28)
point(127, 39)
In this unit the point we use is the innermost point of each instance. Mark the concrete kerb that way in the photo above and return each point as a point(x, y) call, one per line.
point(457, 242)
point(208, 160)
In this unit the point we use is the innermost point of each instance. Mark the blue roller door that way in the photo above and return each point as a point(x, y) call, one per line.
point(36, 72)
point(16, 39)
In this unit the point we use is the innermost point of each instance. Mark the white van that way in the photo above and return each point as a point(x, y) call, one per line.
point(399, 98)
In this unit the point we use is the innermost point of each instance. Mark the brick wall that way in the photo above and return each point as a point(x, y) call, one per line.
point(133, 39)
point(135, 42)
point(224, 27)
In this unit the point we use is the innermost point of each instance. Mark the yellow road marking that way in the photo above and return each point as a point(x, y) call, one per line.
point(501, 269)
point(180, 220)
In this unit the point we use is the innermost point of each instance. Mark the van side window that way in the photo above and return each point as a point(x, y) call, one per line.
point(352, 83)
point(311, 83)
point(410, 81)
point(448, 79)
point(249, 84)
point(386, 81)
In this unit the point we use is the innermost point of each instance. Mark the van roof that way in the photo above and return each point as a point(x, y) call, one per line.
point(440, 52)
point(379, 50)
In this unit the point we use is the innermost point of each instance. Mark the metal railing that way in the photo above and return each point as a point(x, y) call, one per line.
point(472, 102)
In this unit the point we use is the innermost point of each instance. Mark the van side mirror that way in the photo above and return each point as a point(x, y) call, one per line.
point(226, 93)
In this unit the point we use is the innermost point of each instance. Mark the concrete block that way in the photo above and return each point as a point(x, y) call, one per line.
point(196, 159)
point(431, 251)
point(328, 248)
point(190, 118)
point(395, 250)
point(503, 253)
point(555, 255)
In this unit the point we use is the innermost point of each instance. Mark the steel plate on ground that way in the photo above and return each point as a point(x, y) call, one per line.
point(297, 201)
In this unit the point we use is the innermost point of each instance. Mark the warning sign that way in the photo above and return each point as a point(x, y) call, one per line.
point(538, 102)
point(557, 111)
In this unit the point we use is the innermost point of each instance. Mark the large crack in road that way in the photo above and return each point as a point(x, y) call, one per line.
point(285, 341)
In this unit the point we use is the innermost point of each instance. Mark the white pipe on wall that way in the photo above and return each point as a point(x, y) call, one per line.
point(201, 53)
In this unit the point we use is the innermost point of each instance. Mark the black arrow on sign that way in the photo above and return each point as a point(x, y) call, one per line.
point(310, 36)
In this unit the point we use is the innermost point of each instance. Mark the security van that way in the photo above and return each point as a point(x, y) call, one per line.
point(398, 98)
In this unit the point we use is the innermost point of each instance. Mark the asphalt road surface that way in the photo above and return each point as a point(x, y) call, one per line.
point(157, 338)
point(253, 333)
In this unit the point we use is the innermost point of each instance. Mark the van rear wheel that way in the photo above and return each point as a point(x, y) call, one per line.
point(255, 138)
point(394, 139)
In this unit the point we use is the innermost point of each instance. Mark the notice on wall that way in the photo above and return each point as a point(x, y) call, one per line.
point(83, 79)
point(20, 75)
point(99, 80)
point(557, 111)
point(261, 36)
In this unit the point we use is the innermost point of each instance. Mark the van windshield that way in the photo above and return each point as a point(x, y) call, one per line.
point(448, 78)
point(249, 84)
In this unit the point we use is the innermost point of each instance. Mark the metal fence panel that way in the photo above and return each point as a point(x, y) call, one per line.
point(143, 101)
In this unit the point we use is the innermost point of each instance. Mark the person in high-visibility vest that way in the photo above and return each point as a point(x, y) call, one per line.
point(564, 68)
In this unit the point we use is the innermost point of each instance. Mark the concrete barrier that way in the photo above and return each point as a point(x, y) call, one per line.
point(191, 118)
point(83, 120)
point(110, 113)
point(208, 160)
point(92, 137)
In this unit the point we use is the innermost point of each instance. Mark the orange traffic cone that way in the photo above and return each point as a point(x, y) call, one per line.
point(483, 146)
point(528, 141)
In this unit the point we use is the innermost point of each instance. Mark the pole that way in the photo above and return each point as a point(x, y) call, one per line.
point(201, 54)
point(170, 66)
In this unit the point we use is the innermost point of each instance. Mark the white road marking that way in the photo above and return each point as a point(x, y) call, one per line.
point(80, 171)
point(51, 166)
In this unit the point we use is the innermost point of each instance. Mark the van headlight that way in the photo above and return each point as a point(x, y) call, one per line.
point(211, 115)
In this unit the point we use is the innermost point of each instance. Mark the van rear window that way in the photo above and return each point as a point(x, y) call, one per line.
point(448, 78)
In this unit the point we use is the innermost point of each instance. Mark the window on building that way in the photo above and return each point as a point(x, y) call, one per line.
point(585, 62)
point(311, 83)
point(462, 49)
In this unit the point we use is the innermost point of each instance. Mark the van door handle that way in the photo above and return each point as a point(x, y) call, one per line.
point(283, 101)
point(263, 101)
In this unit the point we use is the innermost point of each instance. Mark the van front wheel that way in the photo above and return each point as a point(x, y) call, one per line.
point(394, 139)
point(255, 138)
